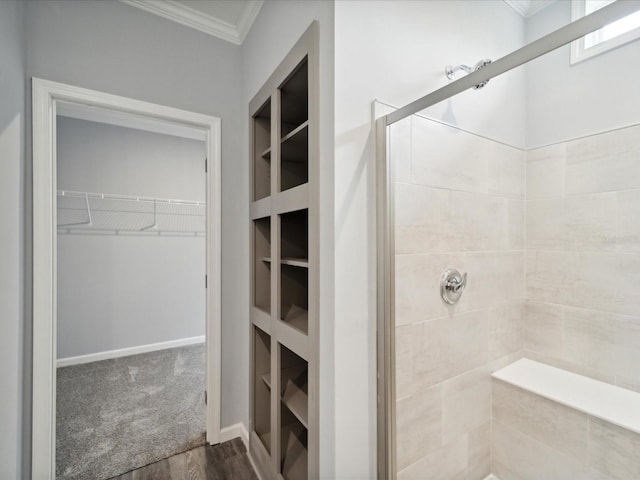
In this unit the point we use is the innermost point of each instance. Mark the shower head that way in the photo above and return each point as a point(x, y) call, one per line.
point(450, 71)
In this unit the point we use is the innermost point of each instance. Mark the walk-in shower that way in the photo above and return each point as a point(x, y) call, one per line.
point(508, 269)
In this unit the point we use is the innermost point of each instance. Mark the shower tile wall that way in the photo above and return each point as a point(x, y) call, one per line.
point(459, 202)
point(583, 256)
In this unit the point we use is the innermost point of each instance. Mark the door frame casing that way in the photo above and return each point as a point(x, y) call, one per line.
point(46, 95)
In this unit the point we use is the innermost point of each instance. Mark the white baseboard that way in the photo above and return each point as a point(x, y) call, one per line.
point(123, 352)
point(233, 431)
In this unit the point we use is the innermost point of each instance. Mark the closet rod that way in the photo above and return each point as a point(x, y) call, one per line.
point(131, 198)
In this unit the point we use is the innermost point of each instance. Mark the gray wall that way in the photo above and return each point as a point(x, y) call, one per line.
point(112, 47)
point(12, 102)
point(119, 291)
point(567, 101)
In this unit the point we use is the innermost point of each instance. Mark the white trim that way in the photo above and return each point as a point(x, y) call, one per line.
point(578, 51)
point(234, 431)
point(46, 95)
point(190, 17)
point(127, 120)
point(125, 352)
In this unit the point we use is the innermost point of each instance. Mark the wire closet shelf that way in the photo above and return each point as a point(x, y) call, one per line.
point(101, 213)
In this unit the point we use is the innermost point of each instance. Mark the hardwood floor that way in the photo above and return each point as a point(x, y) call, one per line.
point(226, 461)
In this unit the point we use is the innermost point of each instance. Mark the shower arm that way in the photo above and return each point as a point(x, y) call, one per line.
point(450, 70)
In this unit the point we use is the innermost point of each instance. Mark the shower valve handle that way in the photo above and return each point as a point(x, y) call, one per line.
point(456, 285)
point(452, 284)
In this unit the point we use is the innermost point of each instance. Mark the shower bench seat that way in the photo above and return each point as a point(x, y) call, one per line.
point(553, 424)
point(607, 402)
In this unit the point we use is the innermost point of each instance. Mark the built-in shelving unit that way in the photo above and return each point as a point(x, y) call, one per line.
point(284, 278)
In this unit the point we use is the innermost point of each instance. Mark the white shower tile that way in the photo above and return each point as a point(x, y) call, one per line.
point(466, 403)
point(546, 225)
point(475, 222)
point(571, 367)
point(494, 278)
point(585, 222)
point(604, 342)
point(446, 463)
point(544, 329)
point(506, 329)
point(479, 463)
point(404, 361)
point(418, 425)
point(506, 169)
point(604, 163)
point(628, 239)
point(518, 456)
point(548, 276)
point(614, 451)
point(546, 172)
point(419, 215)
point(445, 157)
point(559, 427)
point(515, 224)
point(449, 346)
point(591, 222)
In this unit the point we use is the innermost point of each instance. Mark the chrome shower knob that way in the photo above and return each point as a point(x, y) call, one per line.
point(452, 285)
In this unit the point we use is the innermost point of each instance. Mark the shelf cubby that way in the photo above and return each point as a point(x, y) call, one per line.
point(294, 297)
point(294, 103)
point(294, 158)
point(262, 152)
point(262, 269)
point(294, 415)
point(284, 267)
point(261, 387)
point(294, 234)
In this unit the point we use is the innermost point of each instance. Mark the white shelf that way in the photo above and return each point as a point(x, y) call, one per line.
point(607, 402)
point(294, 262)
point(297, 401)
point(295, 131)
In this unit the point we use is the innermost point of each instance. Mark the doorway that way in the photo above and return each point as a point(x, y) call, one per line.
point(50, 99)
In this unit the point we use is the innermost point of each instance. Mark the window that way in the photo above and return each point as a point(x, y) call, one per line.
point(613, 35)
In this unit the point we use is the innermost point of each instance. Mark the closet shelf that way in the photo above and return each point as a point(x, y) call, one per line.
point(296, 401)
point(294, 397)
point(266, 154)
point(291, 261)
point(298, 318)
point(295, 147)
point(87, 212)
point(286, 373)
point(265, 438)
point(295, 131)
point(294, 466)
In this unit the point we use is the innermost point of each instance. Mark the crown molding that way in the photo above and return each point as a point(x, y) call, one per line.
point(177, 12)
point(528, 8)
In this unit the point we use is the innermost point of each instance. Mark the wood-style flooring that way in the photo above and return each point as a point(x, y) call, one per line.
point(226, 461)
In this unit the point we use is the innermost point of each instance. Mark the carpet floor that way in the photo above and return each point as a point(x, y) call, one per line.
point(114, 416)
